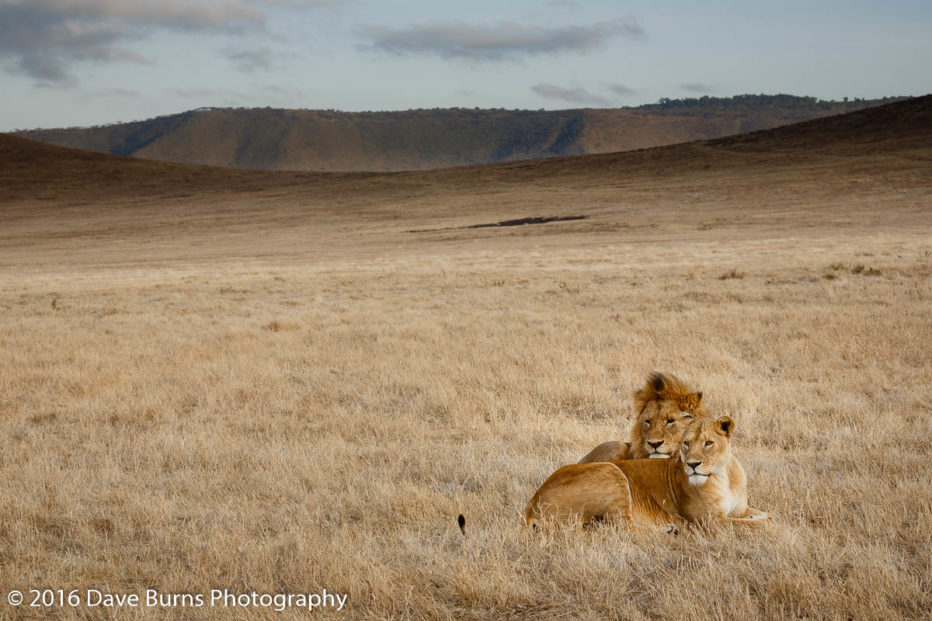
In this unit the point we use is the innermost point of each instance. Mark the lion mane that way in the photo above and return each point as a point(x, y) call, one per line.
point(663, 406)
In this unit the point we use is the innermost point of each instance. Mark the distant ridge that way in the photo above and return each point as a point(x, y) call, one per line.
point(900, 132)
point(317, 140)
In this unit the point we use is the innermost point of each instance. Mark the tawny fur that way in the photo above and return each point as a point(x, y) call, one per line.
point(666, 387)
point(654, 492)
point(663, 408)
point(608, 451)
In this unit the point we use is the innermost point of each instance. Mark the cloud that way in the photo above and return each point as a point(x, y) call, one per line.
point(697, 87)
point(248, 61)
point(571, 95)
point(304, 3)
point(116, 92)
point(43, 38)
point(621, 89)
point(503, 41)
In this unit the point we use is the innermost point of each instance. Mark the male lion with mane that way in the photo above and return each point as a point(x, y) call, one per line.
point(703, 481)
point(664, 407)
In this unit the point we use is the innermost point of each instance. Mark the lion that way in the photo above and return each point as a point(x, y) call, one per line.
point(664, 407)
point(704, 481)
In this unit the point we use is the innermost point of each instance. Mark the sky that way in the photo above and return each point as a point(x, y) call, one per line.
point(66, 63)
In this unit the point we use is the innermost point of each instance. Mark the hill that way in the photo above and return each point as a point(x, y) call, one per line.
point(33, 170)
point(316, 140)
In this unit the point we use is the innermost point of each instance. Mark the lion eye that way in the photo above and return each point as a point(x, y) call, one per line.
point(647, 423)
point(670, 421)
point(686, 444)
point(708, 444)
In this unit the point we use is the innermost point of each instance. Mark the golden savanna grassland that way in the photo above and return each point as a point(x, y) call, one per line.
point(290, 384)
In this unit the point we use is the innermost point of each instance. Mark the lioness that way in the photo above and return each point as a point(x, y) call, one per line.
point(664, 407)
point(704, 481)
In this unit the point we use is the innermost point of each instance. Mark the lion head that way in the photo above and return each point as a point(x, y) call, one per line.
point(706, 448)
point(665, 406)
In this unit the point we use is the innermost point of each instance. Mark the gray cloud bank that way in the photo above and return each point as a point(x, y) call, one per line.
point(42, 38)
point(251, 60)
point(621, 89)
point(504, 41)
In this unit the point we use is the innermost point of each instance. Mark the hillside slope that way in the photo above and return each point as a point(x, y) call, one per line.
point(314, 140)
point(31, 170)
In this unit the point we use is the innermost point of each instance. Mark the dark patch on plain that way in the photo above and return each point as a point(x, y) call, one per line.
point(503, 223)
point(523, 221)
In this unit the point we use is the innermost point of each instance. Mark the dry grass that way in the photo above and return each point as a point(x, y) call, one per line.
point(289, 392)
point(322, 426)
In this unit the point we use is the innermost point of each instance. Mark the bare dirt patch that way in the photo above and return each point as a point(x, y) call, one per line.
point(507, 223)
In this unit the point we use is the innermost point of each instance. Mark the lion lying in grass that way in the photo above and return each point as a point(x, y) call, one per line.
point(704, 481)
point(664, 406)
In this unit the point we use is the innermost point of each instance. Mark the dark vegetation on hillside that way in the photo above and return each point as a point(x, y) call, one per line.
point(747, 103)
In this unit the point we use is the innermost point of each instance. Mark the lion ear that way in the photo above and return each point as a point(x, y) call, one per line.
point(726, 424)
point(693, 400)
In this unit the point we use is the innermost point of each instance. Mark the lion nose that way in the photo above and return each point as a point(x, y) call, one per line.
point(693, 464)
point(655, 444)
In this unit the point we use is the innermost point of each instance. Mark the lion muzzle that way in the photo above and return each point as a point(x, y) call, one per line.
point(695, 477)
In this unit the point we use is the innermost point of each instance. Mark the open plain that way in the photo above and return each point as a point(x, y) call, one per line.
point(287, 382)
